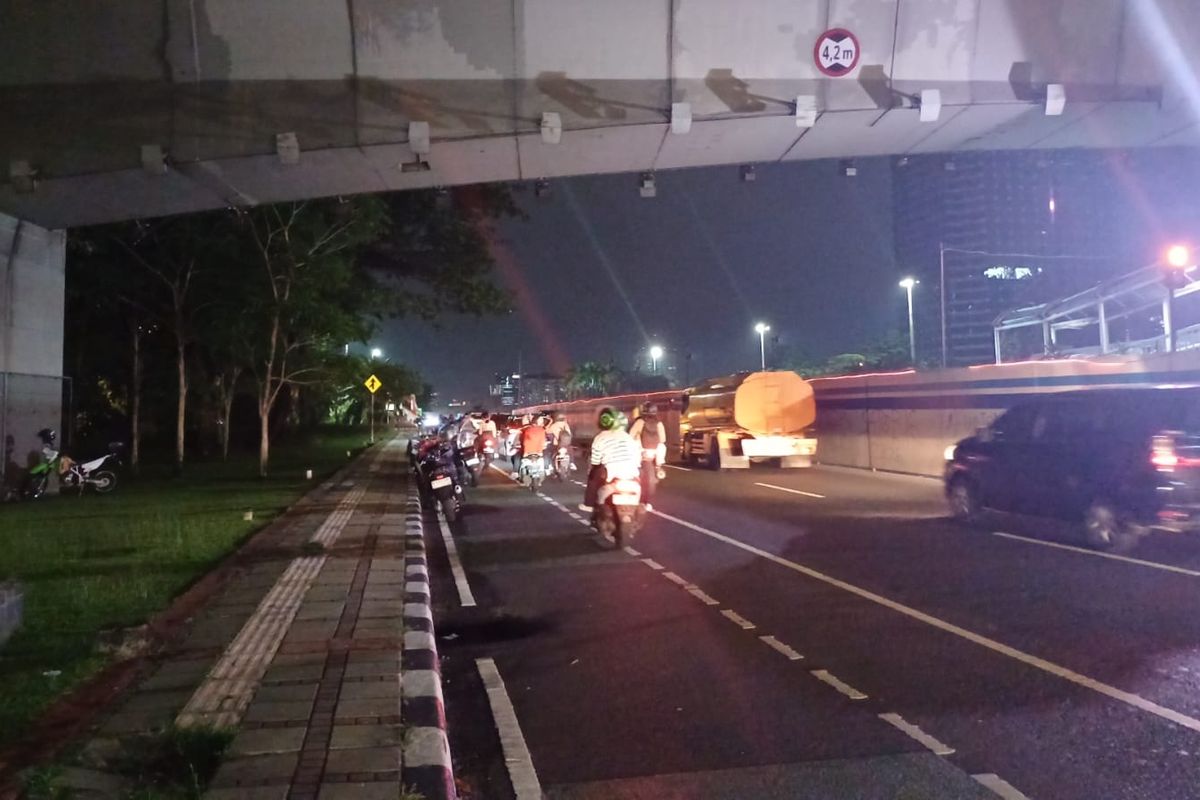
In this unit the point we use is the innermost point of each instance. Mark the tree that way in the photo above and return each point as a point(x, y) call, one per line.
point(592, 379)
point(175, 254)
point(304, 293)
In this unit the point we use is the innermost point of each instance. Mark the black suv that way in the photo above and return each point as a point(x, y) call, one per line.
point(1120, 460)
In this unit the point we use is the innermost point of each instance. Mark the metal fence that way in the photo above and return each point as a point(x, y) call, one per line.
point(29, 403)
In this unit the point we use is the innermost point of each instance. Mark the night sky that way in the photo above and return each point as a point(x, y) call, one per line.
point(598, 272)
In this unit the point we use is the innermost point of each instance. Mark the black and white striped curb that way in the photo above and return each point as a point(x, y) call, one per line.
point(426, 765)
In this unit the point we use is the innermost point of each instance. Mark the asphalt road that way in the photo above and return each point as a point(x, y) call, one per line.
point(1063, 673)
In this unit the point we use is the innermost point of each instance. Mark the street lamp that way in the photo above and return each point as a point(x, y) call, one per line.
point(907, 285)
point(656, 353)
point(376, 352)
point(1178, 261)
point(761, 329)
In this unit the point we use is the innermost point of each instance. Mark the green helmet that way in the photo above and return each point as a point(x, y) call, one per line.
point(611, 419)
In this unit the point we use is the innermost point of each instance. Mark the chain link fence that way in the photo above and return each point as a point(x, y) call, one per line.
point(29, 403)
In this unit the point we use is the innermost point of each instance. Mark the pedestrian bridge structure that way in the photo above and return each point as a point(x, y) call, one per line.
point(150, 107)
point(140, 108)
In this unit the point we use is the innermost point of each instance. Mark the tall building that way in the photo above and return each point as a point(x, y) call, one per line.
point(1022, 227)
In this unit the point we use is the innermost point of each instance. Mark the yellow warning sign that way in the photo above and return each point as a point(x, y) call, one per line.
point(372, 383)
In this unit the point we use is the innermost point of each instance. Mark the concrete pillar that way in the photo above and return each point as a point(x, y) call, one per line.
point(1047, 338)
point(32, 298)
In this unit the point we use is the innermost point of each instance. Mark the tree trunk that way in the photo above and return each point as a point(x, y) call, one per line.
point(226, 413)
point(181, 408)
point(294, 410)
point(135, 403)
point(264, 433)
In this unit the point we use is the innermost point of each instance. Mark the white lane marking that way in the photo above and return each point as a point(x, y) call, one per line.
point(517, 759)
point(999, 786)
point(828, 677)
point(698, 593)
point(1141, 563)
point(1018, 655)
point(681, 469)
point(651, 563)
point(465, 597)
point(673, 578)
point(738, 619)
point(775, 644)
point(575, 516)
point(937, 747)
point(789, 491)
point(631, 551)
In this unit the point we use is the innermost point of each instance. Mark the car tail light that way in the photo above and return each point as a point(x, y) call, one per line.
point(1165, 458)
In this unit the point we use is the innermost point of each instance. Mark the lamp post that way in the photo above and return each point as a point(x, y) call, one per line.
point(656, 353)
point(907, 285)
point(1178, 261)
point(761, 329)
point(376, 353)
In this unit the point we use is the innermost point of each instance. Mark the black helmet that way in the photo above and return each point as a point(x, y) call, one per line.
point(649, 409)
point(611, 419)
point(560, 416)
point(47, 435)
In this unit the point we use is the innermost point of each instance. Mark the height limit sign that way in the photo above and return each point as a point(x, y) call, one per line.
point(836, 53)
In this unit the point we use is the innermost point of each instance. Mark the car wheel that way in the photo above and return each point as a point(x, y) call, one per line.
point(963, 497)
point(1106, 529)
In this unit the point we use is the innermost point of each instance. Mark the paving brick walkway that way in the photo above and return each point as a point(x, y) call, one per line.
point(304, 654)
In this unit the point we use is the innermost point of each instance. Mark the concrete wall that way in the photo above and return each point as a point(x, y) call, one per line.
point(902, 422)
point(32, 297)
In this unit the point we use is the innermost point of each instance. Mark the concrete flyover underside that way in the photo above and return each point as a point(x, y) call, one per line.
point(94, 89)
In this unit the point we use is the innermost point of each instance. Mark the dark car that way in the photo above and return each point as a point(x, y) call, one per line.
point(1121, 461)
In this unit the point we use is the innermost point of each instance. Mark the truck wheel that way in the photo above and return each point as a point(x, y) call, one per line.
point(714, 455)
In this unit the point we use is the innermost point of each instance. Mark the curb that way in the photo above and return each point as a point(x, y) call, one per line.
point(425, 763)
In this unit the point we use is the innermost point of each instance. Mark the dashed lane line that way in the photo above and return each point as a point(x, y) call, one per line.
point(780, 647)
point(828, 677)
point(652, 564)
point(1000, 787)
point(631, 551)
point(1128, 698)
point(933, 745)
point(681, 469)
point(517, 758)
point(698, 593)
point(737, 619)
point(673, 578)
point(790, 491)
point(466, 597)
point(1114, 557)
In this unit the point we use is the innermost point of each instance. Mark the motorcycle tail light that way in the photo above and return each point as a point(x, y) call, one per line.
point(629, 487)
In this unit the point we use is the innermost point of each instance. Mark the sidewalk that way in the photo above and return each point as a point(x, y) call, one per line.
point(320, 655)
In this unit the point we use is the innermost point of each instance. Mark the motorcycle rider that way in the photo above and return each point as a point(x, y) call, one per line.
point(649, 431)
point(532, 439)
point(615, 455)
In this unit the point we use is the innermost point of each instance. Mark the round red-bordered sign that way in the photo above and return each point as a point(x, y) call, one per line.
point(836, 52)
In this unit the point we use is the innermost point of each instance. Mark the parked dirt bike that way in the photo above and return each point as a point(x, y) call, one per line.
point(619, 511)
point(440, 479)
point(533, 471)
point(95, 474)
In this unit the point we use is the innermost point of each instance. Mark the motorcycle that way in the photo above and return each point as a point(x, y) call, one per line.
point(470, 460)
point(485, 449)
point(533, 471)
point(440, 479)
point(619, 513)
point(73, 474)
point(562, 463)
